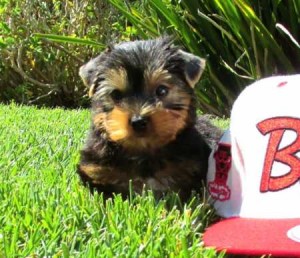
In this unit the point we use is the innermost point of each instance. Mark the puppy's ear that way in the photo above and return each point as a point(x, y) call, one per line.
point(89, 72)
point(193, 67)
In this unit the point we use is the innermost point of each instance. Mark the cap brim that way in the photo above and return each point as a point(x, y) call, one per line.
point(253, 237)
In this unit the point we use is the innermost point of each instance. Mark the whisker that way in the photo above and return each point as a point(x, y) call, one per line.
point(177, 106)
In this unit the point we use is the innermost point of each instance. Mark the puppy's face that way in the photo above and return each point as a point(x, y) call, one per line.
point(142, 92)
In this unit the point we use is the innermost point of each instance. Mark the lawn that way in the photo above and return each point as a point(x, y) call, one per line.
point(46, 212)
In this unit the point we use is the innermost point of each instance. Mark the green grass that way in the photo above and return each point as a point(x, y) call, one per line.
point(46, 212)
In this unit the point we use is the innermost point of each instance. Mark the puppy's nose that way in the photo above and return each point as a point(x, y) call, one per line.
point(138, 123)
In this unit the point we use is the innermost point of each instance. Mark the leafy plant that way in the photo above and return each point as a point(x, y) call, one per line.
point(239, 38)
point(44, 71)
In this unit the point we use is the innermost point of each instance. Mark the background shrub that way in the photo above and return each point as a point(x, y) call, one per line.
point(40, 71)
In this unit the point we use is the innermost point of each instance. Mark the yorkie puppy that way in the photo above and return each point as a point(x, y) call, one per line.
point(144, 127)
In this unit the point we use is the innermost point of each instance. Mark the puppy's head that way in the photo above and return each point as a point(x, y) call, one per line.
point(142, 92)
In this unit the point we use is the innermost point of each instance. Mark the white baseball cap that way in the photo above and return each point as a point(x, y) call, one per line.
point(254, 172)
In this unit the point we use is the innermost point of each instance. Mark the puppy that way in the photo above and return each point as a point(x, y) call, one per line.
point(144, 127)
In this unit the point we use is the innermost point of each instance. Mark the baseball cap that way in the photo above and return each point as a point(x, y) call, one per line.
point(254, 172)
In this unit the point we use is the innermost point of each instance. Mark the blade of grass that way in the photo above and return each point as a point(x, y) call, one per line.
point(132, 15)
point(263, 34)
point(68, 39)
point(282, 29)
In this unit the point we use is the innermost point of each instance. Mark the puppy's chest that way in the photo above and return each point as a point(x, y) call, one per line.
point(143, 167)
point(161, 174)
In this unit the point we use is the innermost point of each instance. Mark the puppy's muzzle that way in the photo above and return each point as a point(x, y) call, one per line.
point(138, 123)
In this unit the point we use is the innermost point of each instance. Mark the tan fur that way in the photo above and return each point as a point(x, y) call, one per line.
point(103, 175)
point(167, 124)
point(116, 124)
point(164, 125)
point(156, 77)
point(92, 170)
point(98, 120)
point(91, 90)
point(117, 78)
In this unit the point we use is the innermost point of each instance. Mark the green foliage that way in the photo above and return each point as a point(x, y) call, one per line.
point(43, 43)
point(39, 71)
point(239, 39)
point(46, 212)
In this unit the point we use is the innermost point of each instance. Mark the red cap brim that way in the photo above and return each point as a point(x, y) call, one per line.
point(253, 237)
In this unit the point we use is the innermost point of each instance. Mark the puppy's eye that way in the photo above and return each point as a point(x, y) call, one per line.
point(116, 95)
point(161, 91)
